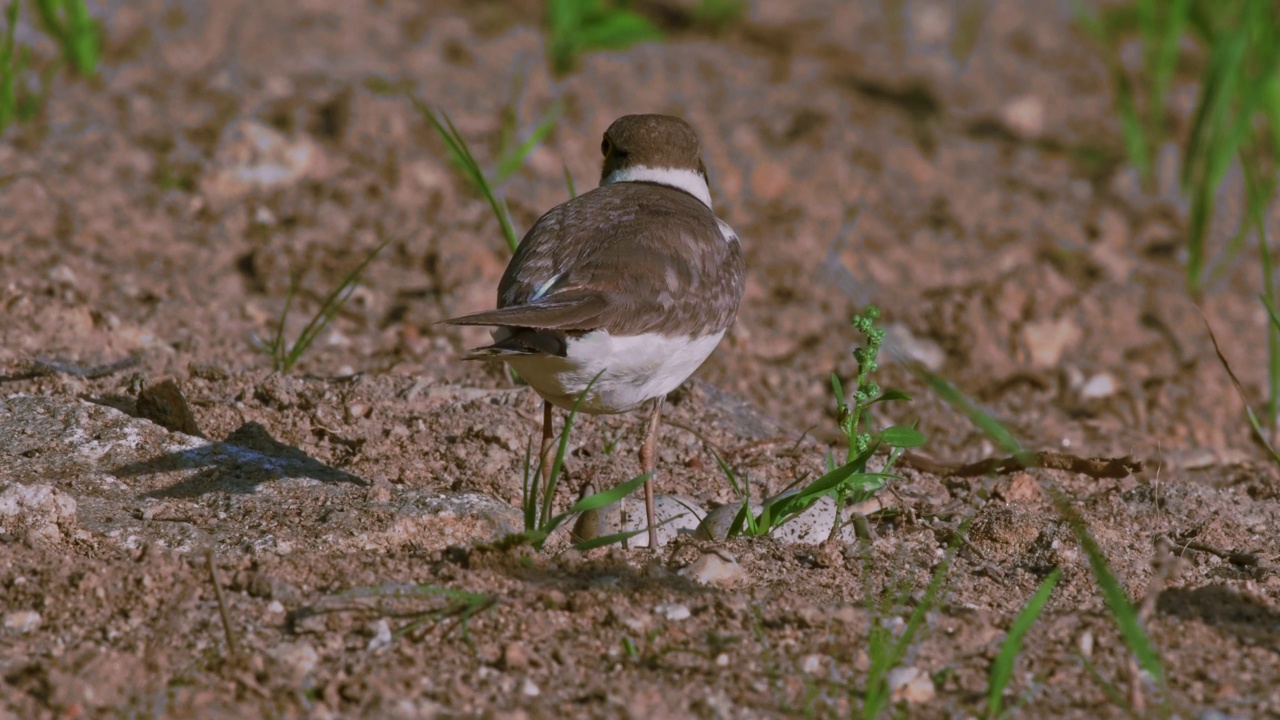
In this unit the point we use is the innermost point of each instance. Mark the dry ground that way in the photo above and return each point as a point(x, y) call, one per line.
point(157, 213)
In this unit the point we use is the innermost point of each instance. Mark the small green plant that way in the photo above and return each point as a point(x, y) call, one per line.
point(718, 15)
point(1237, 115)
point(537, 497)
point(511, 157)
point(886, 647)
point(579, 26)
point(1123, 611)
point(11, 65)
point(461, 605)
point(461, 156)
point(1002, 668)
point(850, 481)
point(284, 354)
point(68, 22)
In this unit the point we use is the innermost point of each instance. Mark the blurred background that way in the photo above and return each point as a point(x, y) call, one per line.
point(1051, 202)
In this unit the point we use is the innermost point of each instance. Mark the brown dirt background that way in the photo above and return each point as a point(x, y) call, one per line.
point(982, 204)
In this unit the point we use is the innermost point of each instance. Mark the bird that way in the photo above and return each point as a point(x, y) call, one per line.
point(622, 292)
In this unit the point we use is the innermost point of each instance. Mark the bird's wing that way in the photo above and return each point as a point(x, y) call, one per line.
point(614, 259)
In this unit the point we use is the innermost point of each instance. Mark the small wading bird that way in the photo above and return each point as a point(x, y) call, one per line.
point(634, 282)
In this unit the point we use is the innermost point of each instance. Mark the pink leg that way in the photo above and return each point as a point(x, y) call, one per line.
point(648, 462)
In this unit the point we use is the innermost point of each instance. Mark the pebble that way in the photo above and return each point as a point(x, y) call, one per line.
point(911, 684)
point(1048, 340)
point(381, 636)
point(296, 659)
point(22, 621)
point(40, 511)
point(515, 657)
point(1098, 386)
point(714, 569)
point(673, 611)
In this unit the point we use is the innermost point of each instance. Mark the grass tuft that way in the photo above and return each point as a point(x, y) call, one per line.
point(284, 354)
point(1237, 114)
point(579, 26)
point(11, 65)
point(68, 22)
point(1123, 611)
point(850, 482)
point(1002, 668)
point(537, 500)
point(461, 156)
point(887, 651)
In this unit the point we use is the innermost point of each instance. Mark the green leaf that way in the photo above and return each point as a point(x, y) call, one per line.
point(618, 30)
point(610, 496)
point(514, 160)
point(462, 157)
point(902, 437)
point(1002, 668)
point(890, 395)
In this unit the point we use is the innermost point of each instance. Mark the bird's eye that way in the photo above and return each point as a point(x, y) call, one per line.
point(606, 146)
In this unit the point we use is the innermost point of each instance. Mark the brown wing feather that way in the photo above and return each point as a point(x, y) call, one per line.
point(652, 256)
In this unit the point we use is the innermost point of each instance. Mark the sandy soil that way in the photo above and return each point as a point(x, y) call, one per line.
point(158, 213)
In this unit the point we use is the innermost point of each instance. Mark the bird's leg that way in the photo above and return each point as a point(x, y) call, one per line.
point(649, 461)
point(548, 443)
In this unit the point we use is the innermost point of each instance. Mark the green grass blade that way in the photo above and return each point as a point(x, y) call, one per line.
point(562, 449)
point(966, 406)
point(462, 157)
point(332, 305)
point(1122, 610)
point(514, 160)
point(568, 181)
point(619, 30)
point(278, 343)
point(610, 496)
point(901, 437)
point(1256, 207)
point(1002, 668)
point(9, 67)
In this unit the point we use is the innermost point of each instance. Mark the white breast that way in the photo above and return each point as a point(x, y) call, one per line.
point(635, 369)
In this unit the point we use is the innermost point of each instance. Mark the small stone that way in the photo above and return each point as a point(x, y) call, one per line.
point(39, 513)
point(1086, 644)
point(1025, 116)
point(769, 180)
point(899, 340)
point(673, 611)
point(381, 639)
point(164, 404)
point(812, 664)
point(911, 684)
point(296, 659)
point(722, 660)
point(714, 569)
point(208, 371)
point(1047, 340)
point(529, 689)
point(22, 621)
point(1022, 488)
point(515, 657)
point(1099, 386)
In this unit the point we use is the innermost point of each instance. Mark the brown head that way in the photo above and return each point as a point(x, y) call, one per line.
point(654, 148)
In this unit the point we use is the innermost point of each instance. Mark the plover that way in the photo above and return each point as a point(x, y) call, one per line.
point(635, 281)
